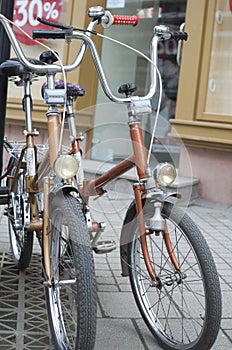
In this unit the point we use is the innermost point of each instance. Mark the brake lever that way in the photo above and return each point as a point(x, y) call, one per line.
point(55, 25)
point(64, 27)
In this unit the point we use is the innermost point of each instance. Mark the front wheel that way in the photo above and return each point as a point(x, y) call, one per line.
point(71, 300)
point(183, 311)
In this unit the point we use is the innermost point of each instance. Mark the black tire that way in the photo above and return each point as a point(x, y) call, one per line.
point(71, 306)
point(21, 241)
point(184, 311)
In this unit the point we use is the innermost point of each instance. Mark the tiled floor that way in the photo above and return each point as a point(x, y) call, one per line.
point(23, 320)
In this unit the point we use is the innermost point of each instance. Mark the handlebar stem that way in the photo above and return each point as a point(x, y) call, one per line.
point(86, 42)
point(51, 81)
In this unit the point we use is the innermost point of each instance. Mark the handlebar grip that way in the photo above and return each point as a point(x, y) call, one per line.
point(108, 20)
point(125, 20)
point(179, 35)
point(48, 34)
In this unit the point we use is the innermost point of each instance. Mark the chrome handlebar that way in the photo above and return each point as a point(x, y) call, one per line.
point(160, 33)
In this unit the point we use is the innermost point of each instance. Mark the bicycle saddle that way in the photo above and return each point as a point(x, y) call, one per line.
point(13, 67)
point(73, 90)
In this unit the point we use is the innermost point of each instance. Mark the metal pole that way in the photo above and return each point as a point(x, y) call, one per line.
point(7, 8)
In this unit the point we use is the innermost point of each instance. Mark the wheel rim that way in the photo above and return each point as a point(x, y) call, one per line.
point(62, 294)
point(17, 235)
point(175, 312)
point(17, 241)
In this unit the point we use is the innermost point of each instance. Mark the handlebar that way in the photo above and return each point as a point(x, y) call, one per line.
point(105, 18)
point(49, 34)
point(125, 20)
point(108, 20)
point(179, 36)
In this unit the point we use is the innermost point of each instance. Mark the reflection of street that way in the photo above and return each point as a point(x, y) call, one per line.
point(166, 148)
point(129, 67)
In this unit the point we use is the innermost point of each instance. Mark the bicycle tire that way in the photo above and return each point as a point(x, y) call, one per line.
point(71, 307)
point(21, 240)
point(184, 314)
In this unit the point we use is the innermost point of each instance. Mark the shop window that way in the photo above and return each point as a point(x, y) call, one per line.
point(172, 13)
point(123, 66)
point(218, 99)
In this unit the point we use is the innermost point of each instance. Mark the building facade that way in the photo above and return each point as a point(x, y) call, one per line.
point(199, 107)
point(204, 107)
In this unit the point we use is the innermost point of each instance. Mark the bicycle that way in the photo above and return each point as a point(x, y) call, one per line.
point(167, 259)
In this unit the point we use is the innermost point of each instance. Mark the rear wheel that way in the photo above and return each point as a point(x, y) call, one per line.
point(71, 300)
point(184, 310)
point(21, 240)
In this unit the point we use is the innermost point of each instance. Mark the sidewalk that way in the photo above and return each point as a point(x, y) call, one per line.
point(22, 309)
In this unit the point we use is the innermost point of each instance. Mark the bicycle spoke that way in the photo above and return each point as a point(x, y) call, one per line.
point(72, 314)
point(175, 307)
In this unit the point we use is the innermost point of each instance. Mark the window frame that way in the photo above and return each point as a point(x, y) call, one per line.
point(192, 124)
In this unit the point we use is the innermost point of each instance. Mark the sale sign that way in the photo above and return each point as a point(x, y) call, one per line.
point(26, 13)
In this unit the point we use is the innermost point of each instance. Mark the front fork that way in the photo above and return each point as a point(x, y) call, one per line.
point(53, 118)
point(139, 191)
point(156, 224)
point(142, 230)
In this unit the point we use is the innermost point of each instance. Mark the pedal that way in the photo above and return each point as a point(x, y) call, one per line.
point(104, 247)
point(4, 195)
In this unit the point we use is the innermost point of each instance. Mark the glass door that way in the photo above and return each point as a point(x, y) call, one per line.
point(110, 135)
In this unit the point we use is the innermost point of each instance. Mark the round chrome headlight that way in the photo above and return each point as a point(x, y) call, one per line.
point(66, 166)
point(164, 174)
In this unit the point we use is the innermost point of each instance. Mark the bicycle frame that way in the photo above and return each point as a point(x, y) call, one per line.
point(136, 105)
point(138, 160)
point(33, 223)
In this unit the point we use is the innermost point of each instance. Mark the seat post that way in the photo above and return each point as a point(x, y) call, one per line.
point(27, 102)
point(71, 118)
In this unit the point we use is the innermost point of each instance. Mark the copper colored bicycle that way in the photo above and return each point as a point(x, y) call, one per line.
point(170, 266)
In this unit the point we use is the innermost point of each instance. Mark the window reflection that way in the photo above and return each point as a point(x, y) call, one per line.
point(122, 66)
point(220, 81)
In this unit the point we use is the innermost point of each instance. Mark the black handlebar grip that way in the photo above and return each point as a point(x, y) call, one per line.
point(179, 35)
point(48, 34)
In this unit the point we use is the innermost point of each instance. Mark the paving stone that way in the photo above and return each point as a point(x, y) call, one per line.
point(107, 288)
point(148, 338)
point(226, 304)
point(119, 323)
point(105, 280)
point(117, 334)
point(222, 342)
point(118, 305)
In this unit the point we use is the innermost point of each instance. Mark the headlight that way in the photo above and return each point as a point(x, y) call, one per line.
point(66, 167)
point(164, 174)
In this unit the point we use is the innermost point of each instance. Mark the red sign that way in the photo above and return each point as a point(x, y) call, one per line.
point(26, 13)
point(230, 5)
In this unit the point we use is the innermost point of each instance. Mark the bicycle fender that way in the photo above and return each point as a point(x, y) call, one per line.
point(131, 215)
point(57, 192)
point(162, 196)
